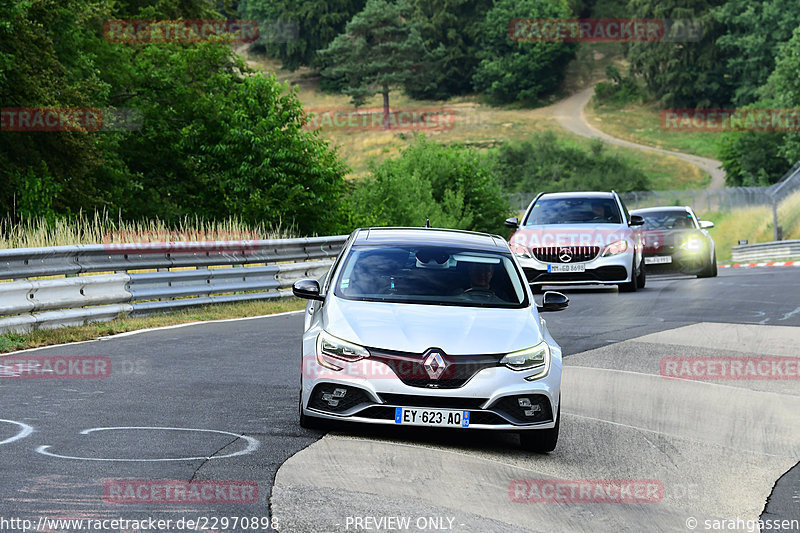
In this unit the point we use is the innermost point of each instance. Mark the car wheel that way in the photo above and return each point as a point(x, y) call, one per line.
point(310, 422)
point(633, 284)
point(710, 270)
point(307, 422)
point(641, 279)
point(541, 440)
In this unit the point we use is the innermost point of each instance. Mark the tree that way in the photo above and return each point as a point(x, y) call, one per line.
point(215, 140)
point(524, 72)
point(293, 31)
point(783, 90)
point(450, 28)
point(752, 35)
point(450, 185)
point(682, 74)
point(48, 59)
point(381, 47)
point(761, 158)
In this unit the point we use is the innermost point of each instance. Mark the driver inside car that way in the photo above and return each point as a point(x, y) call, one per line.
point(480, 281)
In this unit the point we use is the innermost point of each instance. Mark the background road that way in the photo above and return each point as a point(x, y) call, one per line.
point(240, 379)
point(569, 112)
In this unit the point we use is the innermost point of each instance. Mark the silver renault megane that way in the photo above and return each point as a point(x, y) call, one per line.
point(430, 327)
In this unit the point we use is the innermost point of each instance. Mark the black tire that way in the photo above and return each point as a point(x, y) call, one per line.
point(641, 279)
point(541, 440)
point(710, 270)
point(633, 284)
point(310, 422)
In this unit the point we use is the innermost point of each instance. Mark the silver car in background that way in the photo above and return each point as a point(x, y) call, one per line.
point(580, 238)
point(433, 328)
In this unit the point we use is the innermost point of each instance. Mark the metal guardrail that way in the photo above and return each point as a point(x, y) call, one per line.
point(765, 250)
point(256, 270)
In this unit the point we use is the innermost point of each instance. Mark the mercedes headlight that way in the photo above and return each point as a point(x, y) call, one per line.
point(521, 251)
point(693, 244)
point(332, 351)
point(536, 358)
point(615, 248)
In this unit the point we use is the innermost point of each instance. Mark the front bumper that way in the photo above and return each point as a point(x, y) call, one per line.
point(682, 262)
point(492, 396)
point(609, 270)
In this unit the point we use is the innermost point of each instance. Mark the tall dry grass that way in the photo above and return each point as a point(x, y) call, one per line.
point(100, 227)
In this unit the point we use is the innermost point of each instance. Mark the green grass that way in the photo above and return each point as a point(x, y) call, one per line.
point(640, 123)
point(753, 224)
point(47, 337)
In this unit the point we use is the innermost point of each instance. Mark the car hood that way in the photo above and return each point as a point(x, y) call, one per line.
point(415, 328)
point(570, 235)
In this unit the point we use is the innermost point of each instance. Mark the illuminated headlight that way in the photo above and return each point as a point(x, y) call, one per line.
point(331, 351)
point(615, 248)
point(692, 244)
point(536, 358)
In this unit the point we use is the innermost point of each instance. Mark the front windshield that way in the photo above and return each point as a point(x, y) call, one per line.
point(668, 220)
point(574, 211)
point(431, 275)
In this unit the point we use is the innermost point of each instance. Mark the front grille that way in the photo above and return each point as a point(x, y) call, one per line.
point(459, 369)
point(409, 400)
point(524, 408)
point(336, 398)
point(565, 254)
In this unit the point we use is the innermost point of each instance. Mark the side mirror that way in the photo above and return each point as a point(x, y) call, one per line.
point(637, 220)
point(705, 224)
point(308, 289)
point(553, 301)
point(512, 222)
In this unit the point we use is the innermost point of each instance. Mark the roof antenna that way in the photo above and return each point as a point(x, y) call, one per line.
point(427, 223)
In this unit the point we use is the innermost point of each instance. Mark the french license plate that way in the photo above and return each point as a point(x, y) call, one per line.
point(431, 417)
point(577, 267)
point(657, 259)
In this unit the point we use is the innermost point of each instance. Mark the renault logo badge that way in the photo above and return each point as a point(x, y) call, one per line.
point(434, 365)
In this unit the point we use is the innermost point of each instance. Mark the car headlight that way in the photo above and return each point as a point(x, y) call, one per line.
point(332, 350)
point(521, 251)
point(536, 358)
point(693, 244)
point(615, 248)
